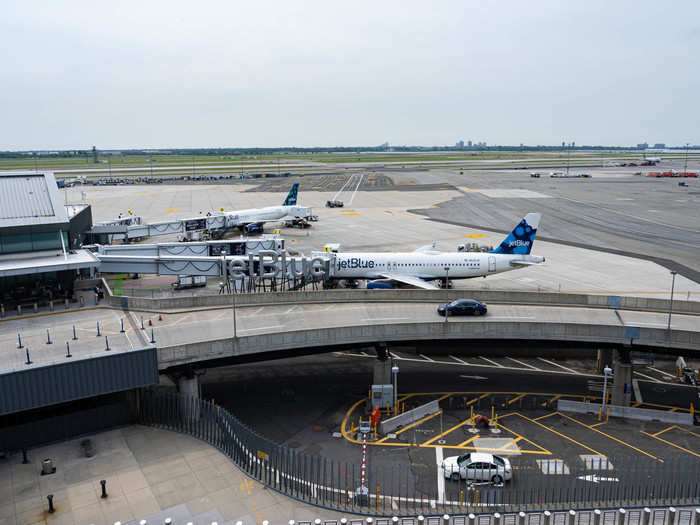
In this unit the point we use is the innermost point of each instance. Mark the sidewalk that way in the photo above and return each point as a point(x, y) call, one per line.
point(151, 474)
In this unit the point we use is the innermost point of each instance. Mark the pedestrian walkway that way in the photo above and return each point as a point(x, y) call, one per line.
point(150, 474)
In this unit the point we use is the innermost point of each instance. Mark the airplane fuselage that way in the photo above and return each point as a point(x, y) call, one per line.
point(425, 266)
point(255, 215)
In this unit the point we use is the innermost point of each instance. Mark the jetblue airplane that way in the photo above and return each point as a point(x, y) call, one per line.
point(253, 219)
point(424, 265)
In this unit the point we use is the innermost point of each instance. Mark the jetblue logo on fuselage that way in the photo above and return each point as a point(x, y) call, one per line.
point(519, 242)
point(355, 262)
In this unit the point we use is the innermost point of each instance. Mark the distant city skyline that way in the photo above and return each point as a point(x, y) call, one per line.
point(176, 74)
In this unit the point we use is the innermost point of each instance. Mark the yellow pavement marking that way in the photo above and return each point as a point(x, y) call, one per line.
point(598, 424)
point(664, 430)
point(443, 397)
point(482, 396)
point(550, 401)
point(546, 415)
point(611, 437)
point(544, 450)
point(512, 442)
point(169, 210)
point(516, 398)
point(560, 434)
point(635, 405)
point(475, 235)
point(465, 443)
point(460, 424)
point(669, 443)
point(674, 409)
point(348, 214)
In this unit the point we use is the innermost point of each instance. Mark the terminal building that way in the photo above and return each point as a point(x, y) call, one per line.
point(40, 240)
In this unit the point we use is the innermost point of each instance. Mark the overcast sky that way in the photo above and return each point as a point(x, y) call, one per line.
point(161, 74)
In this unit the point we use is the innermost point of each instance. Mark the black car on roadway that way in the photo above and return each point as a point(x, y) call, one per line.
point(463, 307)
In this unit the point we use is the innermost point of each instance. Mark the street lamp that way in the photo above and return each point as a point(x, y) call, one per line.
point(670, 306)
point(447, 291)
point(395, 373)
point(606, 372)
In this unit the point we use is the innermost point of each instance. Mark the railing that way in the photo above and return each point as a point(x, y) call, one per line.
point(631, 481)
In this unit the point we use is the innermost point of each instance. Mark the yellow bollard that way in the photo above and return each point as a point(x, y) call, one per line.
point(461, 497)
point(375, 432)
point(476, 498)
point(692, 409)
point(607, 416)
point(377, 497)
point(493, 411)
point(495, 422)
point(471, 413)
point(600, 413)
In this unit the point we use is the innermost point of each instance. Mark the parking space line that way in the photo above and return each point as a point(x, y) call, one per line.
point(522, 363)
point(492, 362)
point(552, 400)
point(479, 398)
point(427, 358)
point(669, 443)
point(460, 424)
point(516, 398)
point(610, 437)
point(661, 372)
point(544, 450)
point(688, 431)
point(465, 443)
point(458, 359)
point(571, 370)
point(545, 416)
point(648, 377)
point(560, 434)
point(664, 430)
point(599, 424)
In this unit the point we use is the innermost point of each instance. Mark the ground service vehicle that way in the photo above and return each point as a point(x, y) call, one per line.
point(477, 466)
point(189, 281)
point(463, 307)
point(334, 204)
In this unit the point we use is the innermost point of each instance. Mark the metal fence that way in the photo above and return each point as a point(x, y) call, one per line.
point(399, 491)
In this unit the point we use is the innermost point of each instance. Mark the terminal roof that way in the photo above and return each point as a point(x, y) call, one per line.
point(30, 198)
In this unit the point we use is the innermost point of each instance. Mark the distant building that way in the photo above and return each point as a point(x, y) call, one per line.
point(642, 145)
point(563, 144)
point(460, 144)
point(469, 143)
point(659, 145)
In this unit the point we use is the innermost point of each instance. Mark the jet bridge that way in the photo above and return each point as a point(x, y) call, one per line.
point(130, 228)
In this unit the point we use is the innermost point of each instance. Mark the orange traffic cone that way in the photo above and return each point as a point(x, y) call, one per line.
point(150, 323)
point(160, 317)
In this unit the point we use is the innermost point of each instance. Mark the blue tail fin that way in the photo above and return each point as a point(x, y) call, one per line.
point(520, 240)
point(291, 199)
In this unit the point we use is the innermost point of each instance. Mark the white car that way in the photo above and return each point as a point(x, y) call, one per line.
point(477, 466)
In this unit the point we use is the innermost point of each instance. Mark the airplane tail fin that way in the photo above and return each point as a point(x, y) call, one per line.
point(521, 239)
point(291, 199)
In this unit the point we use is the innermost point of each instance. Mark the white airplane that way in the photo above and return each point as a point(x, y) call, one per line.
point(252, 220)
point(418, 268)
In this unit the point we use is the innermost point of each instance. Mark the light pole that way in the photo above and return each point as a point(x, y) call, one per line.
point(606, 372)
point(447, 292)
point(670, 306)
point(395, 374)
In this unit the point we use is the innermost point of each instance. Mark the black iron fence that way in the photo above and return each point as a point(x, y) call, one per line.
point(399, 491)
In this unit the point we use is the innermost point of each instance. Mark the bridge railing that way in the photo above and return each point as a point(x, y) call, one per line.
point(401, 490)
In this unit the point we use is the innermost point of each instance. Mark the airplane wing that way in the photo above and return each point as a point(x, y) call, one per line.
point(408, 279)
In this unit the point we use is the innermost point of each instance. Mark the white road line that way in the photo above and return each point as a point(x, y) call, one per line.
point(637, 392)
point(126, 334)
point(364, 354)
point(440, 475)
point(499, 365)
point(522, 363)
point(560, 366)
point(290, 310)
point(458, 360)
point(260, 328)
point(427, 358)
point(648, 377)
point(661, 372)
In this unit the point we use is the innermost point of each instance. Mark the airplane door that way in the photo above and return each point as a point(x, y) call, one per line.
point(492, 263)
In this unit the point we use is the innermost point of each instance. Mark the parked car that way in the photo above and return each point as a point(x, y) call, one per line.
point(477, 466)
point(463, 307)
point(334, 204)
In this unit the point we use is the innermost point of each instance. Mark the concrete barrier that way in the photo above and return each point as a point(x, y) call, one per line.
point(213, 349)
point(188, 302)
point(408, 417)
point(641, 414)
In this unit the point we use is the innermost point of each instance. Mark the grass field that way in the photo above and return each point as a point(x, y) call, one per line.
point(181, 163)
